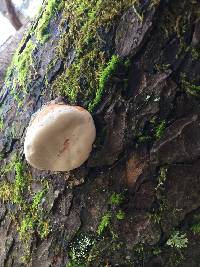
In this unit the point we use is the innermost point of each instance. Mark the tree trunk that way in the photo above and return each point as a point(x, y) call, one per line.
point(135, 202)
point(11, 14)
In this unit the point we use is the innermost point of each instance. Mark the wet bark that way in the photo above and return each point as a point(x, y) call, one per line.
point(147, 150)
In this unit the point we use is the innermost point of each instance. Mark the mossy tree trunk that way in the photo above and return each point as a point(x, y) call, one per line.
point(135, 66)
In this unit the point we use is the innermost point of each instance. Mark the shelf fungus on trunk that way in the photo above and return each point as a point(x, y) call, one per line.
point(59, 137)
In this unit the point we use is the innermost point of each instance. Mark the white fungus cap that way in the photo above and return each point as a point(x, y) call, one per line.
point(59, 137)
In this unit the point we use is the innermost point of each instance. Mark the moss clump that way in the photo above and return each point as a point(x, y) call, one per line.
point(30, 216)
point(41, 32)
point(160, 129)
point(80, 249)
point(33, 220)
point(107, 72)
point(177, 240)
point(88, 75)
point(105, 221)
point(116, 199)
point(20, 69)
point(22, 62)
point(120, 215)
point(5, 191)
point(188, 86)
point(161, 179)
point(142, 139)
point(1, 124)
point(196, 224)
point(20, 184)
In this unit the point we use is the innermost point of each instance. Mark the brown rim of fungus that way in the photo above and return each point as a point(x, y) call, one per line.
point(59, 137)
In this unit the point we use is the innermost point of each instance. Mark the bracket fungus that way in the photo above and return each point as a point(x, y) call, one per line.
point(59, 137)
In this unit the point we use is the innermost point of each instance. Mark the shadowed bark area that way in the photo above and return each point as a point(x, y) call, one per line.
point(135, 202)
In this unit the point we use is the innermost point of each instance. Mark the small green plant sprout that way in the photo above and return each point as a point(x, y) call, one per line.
point(120, 215)
point(105, 221)
point(116, 199)
point(177, 240)
point(160, 129)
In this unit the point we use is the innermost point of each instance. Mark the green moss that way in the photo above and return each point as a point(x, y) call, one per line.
point(51, 9)
point(90, 72)
point(156, 251)
point(189, 86)
point(80, 249)
point(23, 62)
point(143, 139)
point(155, 217)
point(120, 215)
point(160, 129)
point(194, 53)
point(30, 216)
point(162, 67)
point(160, 212)
point(116, 199)
point(143, 253)
point(177, 240)
point(161, 179)
point(153, 129)
point(106, 74)
point(6, 191)
point(196, 224)
point(26, 227)
point(105, 221)
point(37, 198)
point(33, 217)
point(9, 167)
point(20, 184)
point(19, 70)
point(1, 124)
point(93, 67)
point(43, 228)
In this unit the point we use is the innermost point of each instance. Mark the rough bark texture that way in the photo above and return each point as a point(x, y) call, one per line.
point(139, 191)
point(7, 50)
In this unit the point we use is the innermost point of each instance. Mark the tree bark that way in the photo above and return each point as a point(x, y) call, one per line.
point(136, 201)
